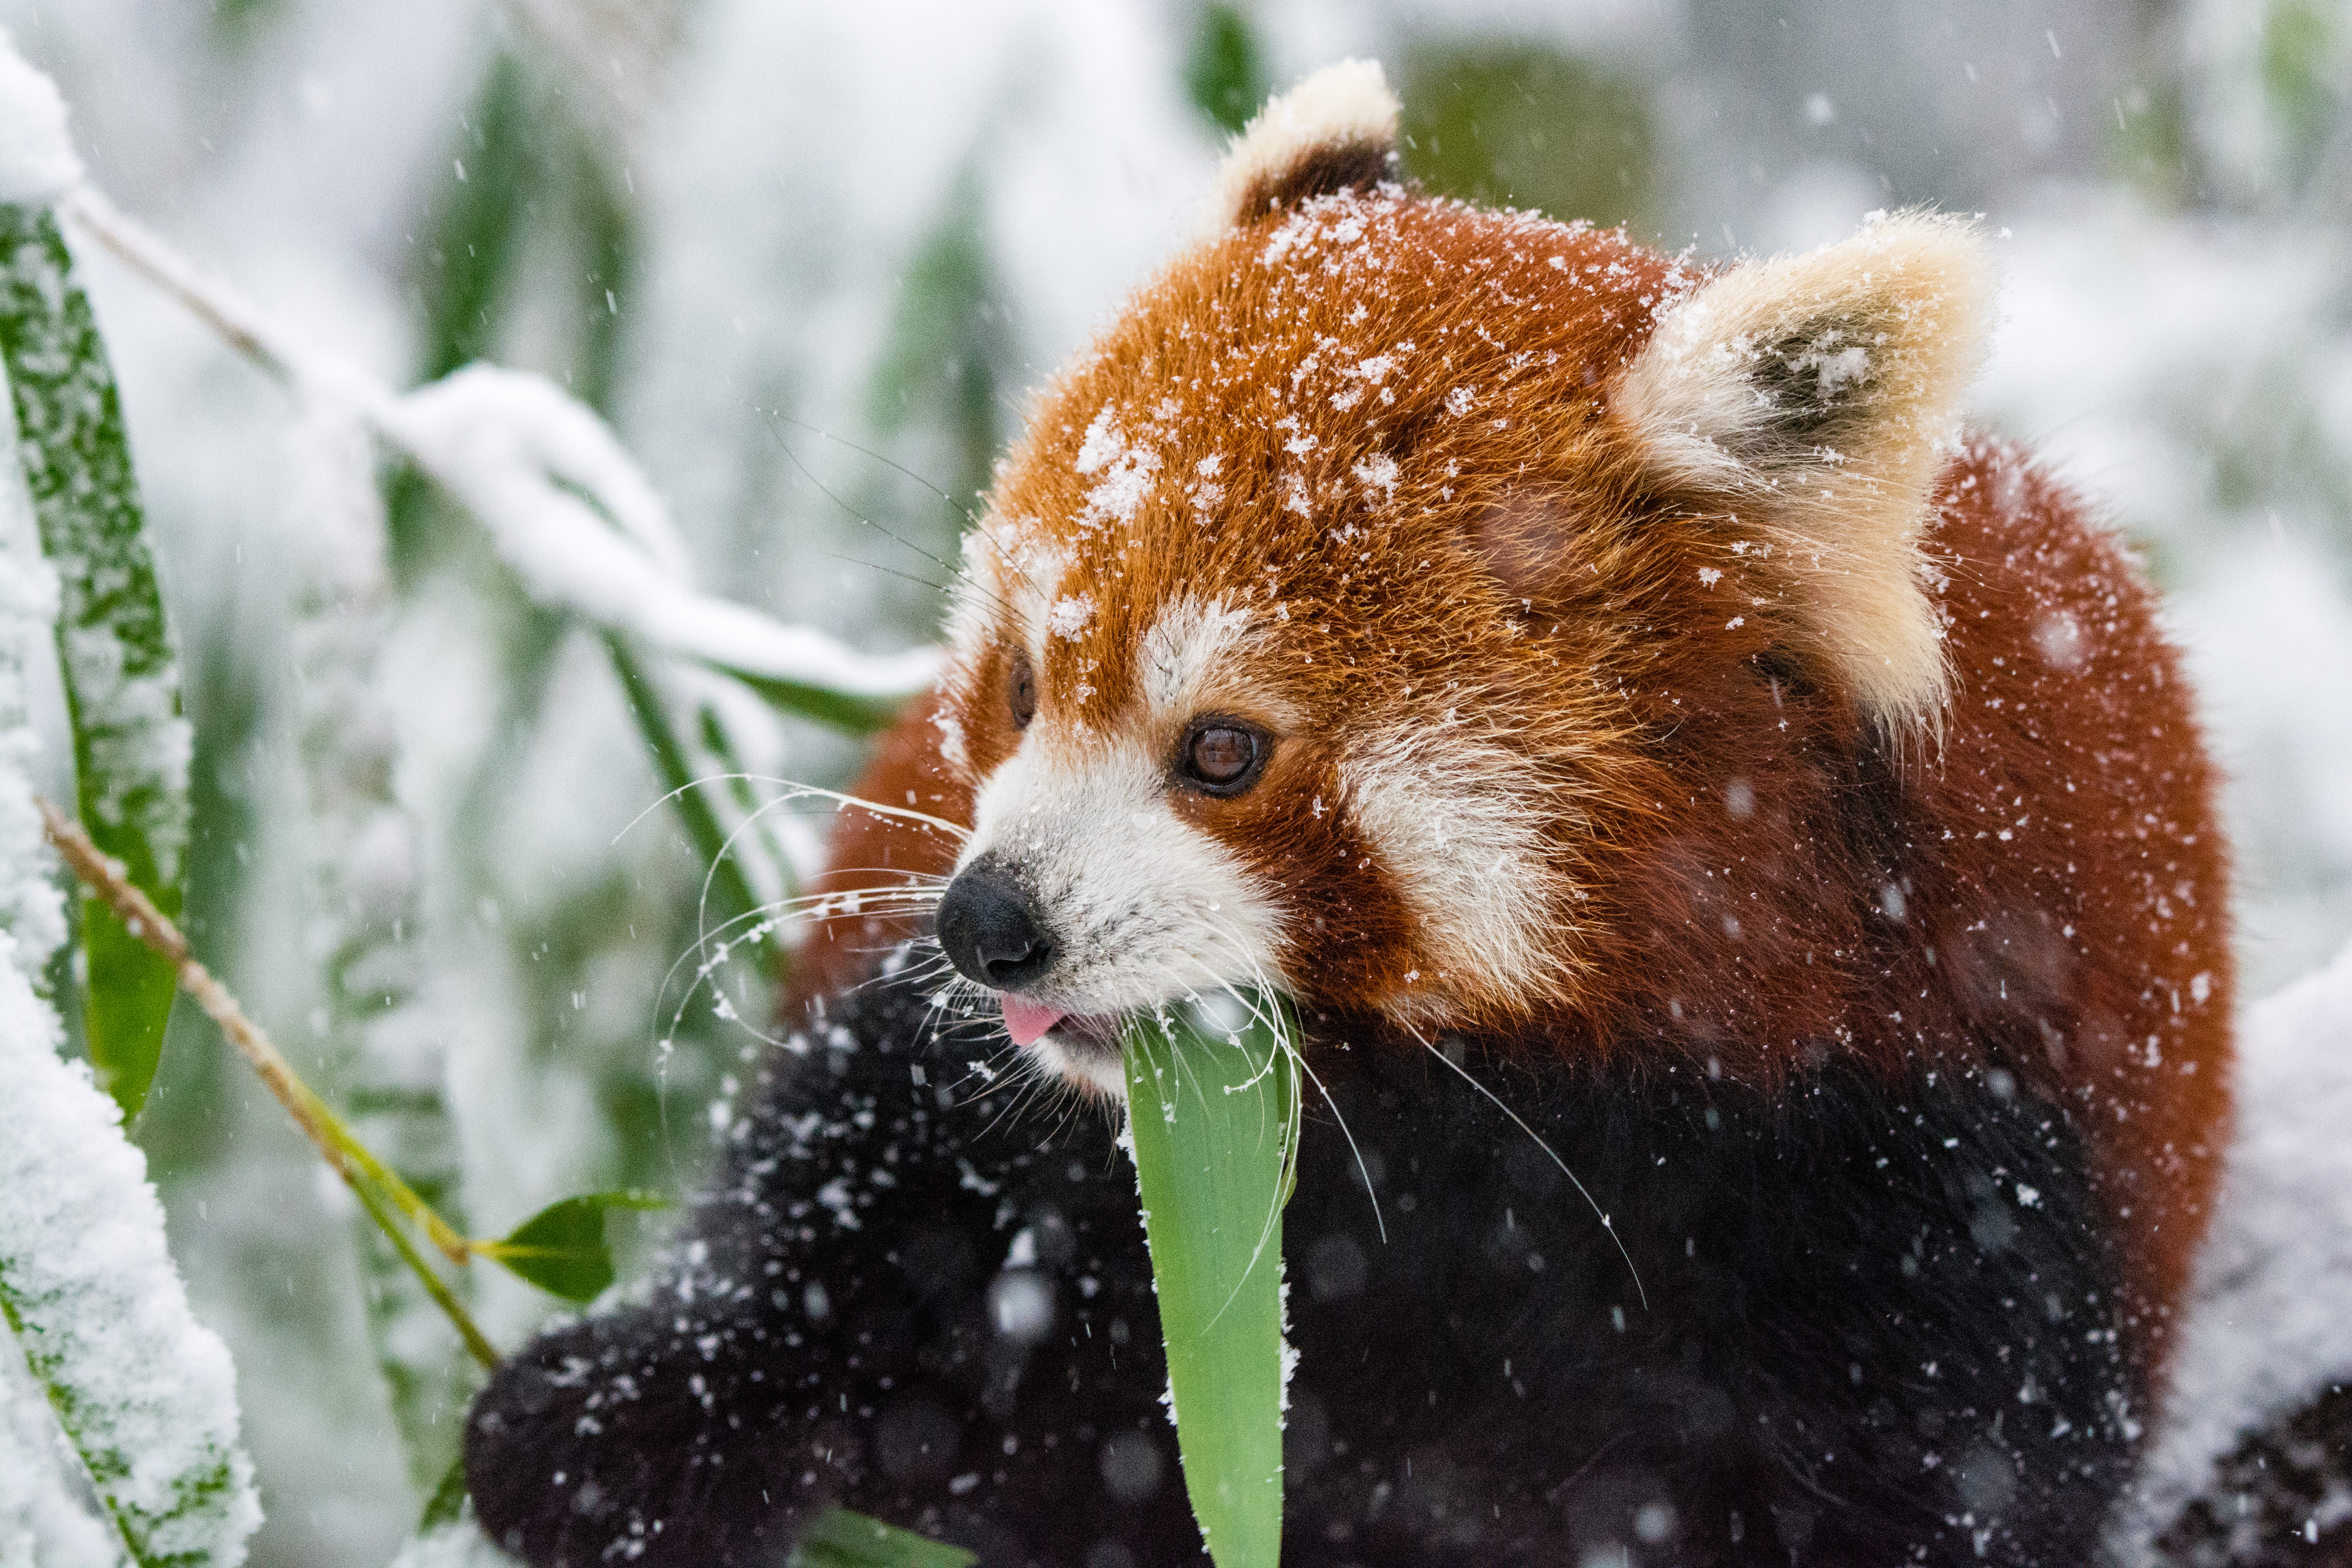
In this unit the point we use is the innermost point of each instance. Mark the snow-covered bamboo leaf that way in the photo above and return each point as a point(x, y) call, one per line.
point(840, 1539)
point(563, 1249)
point(121, 674)
point(32, 907)
point(44, 1519)
point(144, 1392)
point(1212, 1106)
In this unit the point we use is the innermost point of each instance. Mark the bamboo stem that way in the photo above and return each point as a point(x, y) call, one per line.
point(365, 1174)
point(236, 323)
point(435, 1286)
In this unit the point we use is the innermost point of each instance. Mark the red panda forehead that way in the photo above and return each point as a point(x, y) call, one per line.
point(1288, 432)
point(1276, 386)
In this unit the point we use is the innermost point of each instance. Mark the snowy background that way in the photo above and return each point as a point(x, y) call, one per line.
point(807, 258)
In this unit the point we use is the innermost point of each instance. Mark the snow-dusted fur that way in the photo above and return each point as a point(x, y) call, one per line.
point(1342, 106)
point(1821, 393)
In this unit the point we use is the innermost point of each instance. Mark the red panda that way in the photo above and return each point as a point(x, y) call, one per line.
point(1627, 657)
point(1622, 678)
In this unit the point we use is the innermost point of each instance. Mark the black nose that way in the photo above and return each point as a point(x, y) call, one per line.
point(989, 929)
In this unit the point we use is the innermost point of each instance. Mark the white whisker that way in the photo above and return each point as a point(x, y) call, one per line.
point(1548, 1150)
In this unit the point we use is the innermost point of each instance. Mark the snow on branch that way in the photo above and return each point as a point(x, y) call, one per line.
point(570, 510)
point(573, 515)
point(503, 438)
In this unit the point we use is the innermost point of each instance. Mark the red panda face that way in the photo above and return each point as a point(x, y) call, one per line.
point(1241, 693)
point(1300, 645)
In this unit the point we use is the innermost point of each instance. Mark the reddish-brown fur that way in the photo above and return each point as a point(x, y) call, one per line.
point(1761, 875)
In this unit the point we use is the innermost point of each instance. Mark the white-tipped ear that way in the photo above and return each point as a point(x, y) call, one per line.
point(1336, 129)
point(1816, 396)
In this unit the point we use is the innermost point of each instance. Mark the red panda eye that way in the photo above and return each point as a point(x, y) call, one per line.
point(1024, 692)
point(1222, 758)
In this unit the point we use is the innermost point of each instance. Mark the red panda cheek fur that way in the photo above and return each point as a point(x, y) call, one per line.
point(1350, 937)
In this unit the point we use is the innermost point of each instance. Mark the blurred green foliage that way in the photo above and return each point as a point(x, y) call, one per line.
point(185, 1124)
point(237, 23)
point(526, 181)
point(730, 894)
point(2148, 143)
point(1523, 125)
point(1226, 71)
point(525, 172)
point(2301, 64)
point(944, 364)
point(476, 224)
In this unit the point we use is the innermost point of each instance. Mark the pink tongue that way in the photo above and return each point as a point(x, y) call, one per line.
point(1025, 1021)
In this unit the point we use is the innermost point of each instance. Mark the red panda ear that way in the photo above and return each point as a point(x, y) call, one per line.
point(1815, 397)
point(1337, 129)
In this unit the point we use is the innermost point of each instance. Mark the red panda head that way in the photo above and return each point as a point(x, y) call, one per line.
point(1318, 630)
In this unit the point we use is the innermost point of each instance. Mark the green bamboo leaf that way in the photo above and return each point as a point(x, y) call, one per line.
point(476, 229)
point(731, 894)
point(840, 1539)
point(858, 713)
point(1212, 1109)
point(446, 1506)
point(122, 673)
point(562, 1248)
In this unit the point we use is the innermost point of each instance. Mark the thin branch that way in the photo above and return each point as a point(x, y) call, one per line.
point(435, 1286)
point(365, 1174)
point(797, 668)
point(238, 324)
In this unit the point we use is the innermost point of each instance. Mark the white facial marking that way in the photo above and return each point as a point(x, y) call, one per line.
point(1456, 828)
point(1191, 642)
point(1103, 1074)
point(1011, 560)
point(1144, 907)
point(1008, 563)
